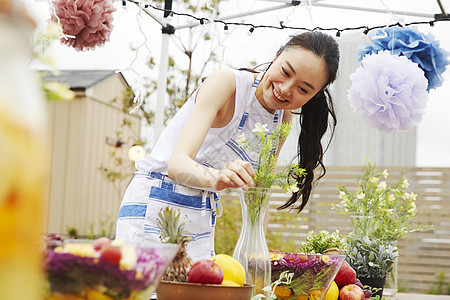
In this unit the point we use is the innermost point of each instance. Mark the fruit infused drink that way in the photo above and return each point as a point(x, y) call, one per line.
point(23, 157)
point(103, 269)
point(308, 275)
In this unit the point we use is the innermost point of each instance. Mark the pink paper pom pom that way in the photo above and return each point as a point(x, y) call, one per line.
point(90, 21)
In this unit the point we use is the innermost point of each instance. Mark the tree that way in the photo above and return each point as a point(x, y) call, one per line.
point(182, 79)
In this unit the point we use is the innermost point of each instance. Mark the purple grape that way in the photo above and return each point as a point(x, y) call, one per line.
point(367, 294)
point(358, 283)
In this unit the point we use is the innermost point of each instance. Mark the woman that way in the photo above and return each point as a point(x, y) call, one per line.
point(197, 154)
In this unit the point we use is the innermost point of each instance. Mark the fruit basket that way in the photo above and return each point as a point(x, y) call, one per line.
point(303, 276)
point(104, 269)
point(168, 290)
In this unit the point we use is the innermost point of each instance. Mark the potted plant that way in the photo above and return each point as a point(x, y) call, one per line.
point(372, 259)
point(384, 211)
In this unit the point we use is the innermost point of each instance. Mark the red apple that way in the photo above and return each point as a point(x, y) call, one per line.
point(346, 275)
point(112, 254)
point(351, 292)
point(205, 271)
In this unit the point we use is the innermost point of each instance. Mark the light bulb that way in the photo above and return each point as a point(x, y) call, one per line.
point(136, 152)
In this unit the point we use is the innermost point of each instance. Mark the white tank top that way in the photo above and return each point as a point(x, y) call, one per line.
point(216, 138)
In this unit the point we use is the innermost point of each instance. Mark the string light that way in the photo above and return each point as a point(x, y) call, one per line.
point(250, 31)
point(438, 18)
point(225, 29)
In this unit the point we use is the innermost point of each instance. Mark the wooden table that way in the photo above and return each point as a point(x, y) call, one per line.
point(407, 296)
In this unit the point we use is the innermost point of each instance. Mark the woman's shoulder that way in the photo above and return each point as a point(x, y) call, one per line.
point(232, 75)
point(225, 75)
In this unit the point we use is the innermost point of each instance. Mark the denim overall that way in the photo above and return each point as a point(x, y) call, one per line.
point(148, 193)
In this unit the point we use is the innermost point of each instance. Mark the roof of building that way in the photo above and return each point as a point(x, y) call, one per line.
point(80, 80)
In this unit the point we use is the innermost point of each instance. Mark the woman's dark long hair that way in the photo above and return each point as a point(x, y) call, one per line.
point(315, 115)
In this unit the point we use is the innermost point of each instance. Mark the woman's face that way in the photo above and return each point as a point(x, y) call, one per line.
point(294, 77)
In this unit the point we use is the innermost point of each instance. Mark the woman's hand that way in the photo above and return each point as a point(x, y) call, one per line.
point(235, 174)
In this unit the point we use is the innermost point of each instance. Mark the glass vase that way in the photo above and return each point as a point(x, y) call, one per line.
point(251, 249)
point(361, 223)
point(391, 285)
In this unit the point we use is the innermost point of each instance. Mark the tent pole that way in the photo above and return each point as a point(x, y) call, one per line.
point(444, 14)
point(167, 30)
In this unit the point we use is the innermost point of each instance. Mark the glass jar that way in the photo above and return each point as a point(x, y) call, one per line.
point(361, 223)
point(391, 285)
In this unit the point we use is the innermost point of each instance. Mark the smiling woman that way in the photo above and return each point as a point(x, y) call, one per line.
point(198, 153)
point(295, 76)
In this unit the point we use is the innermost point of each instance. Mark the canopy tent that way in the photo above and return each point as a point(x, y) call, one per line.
point(168, 29)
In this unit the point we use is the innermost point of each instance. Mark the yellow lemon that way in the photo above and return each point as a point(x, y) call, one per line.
point(96, 295)
point(231, 268)
point(332, 293)
point(229, 283)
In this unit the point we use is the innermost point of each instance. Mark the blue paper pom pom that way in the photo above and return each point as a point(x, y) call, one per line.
point(421, 49)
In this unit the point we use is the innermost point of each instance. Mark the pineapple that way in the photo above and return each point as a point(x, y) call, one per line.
point(172, 230)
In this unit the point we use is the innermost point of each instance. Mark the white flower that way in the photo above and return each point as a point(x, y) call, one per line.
point(382, 185)
point(341, 195)
point(360, 196)
point(405, 184)
point(385, 173)
point(260, 128)
point(241, 139)
point(391, 197)
point(53, 30)
point(374, 179)
point(293, 189)
point(59, 91)
point(410, 196)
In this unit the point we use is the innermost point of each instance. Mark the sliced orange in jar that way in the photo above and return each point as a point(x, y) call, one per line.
point(282, 292)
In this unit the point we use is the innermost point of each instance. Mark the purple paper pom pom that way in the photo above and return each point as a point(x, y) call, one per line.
point(416, 46)
point(389, 92)
point(90, 21)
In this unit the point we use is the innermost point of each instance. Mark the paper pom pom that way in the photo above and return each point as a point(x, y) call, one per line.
point(416, 46)
point(89, 21)
point(389, 91)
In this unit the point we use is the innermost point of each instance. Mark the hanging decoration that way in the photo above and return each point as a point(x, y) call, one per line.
point(421, 49)
point(89, 22)
point(389, 91)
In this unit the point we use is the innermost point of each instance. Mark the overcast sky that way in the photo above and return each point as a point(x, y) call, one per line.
point(238, 48)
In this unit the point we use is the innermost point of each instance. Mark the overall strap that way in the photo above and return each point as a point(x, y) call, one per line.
point(250, 101)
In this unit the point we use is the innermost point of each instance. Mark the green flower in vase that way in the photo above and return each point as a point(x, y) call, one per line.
point(267, 174)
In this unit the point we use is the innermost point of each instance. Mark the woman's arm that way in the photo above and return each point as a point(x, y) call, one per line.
point(212, 106)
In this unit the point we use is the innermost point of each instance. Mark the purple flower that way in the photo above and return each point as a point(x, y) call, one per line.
point(389, 91)
point(416, 46)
